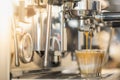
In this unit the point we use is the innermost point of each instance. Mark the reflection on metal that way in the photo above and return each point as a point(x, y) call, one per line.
point(39, 30)
point(26, 48)
point(55, 41)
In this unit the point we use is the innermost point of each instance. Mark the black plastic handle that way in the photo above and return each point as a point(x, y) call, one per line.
point(116, 24)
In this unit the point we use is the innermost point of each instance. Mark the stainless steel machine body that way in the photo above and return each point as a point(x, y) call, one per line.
point(58, 26)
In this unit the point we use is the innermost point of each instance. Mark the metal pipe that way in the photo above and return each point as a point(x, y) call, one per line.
point(49, 9)
point(62, 29)
point(108, 16)
point(79, 39)
point(109, 43)
point(15, 45)
point(111, 16)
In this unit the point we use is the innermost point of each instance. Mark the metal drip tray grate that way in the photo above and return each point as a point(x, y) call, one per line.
point(58, 75)
point(47, 74)
point(38, 74)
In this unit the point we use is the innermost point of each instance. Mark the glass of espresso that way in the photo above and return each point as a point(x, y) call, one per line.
point(90, 62)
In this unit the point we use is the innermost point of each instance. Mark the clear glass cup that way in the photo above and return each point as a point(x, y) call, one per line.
point(90, 62)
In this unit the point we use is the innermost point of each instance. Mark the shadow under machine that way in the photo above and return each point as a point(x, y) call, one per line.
point(58, 28)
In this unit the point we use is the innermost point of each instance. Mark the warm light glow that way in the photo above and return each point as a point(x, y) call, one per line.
point(16, 2)
point(6, 12)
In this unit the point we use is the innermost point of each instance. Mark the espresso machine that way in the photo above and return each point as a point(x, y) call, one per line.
point(57, 30)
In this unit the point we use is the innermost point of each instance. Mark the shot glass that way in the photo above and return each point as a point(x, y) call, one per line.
point(90, 62)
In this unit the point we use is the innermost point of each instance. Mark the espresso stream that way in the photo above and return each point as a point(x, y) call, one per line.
point(87, 36)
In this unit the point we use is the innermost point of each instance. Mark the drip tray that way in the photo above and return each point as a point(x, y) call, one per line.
point(44, 74)
point(47, 74)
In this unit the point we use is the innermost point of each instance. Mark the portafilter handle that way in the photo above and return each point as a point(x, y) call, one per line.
point(115, 24)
